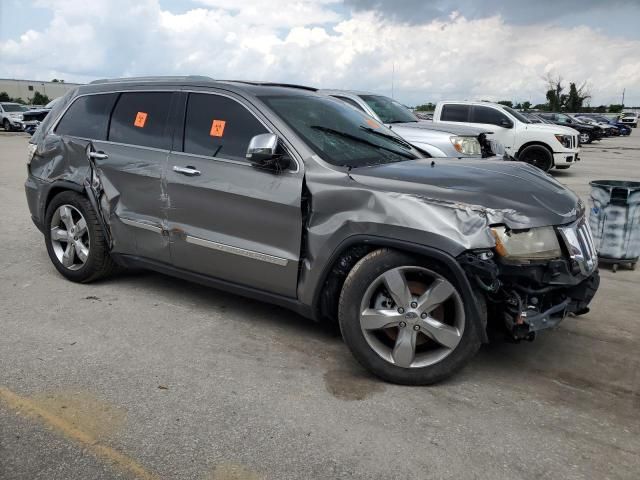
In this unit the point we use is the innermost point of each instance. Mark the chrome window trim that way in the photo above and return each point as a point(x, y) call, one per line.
point(243, 252)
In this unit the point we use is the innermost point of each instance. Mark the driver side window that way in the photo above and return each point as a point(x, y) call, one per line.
point(488, 115)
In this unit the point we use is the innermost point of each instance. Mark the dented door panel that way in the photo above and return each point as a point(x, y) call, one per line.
point(133, 201)
point(236, 222)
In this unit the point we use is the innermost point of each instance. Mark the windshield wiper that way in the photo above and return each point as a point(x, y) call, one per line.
point(361, 140)
point(393, 138)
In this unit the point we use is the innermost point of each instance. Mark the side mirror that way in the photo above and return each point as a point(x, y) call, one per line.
point(506, 123)
point(262, 148)
point(262, 152)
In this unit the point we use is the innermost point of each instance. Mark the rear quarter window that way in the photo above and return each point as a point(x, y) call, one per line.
point(455, 113)
point(142, 119)
point(87, 117)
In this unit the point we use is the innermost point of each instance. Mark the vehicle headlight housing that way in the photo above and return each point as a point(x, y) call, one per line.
point(533, 244)
point(466, 145)
point(565, 140)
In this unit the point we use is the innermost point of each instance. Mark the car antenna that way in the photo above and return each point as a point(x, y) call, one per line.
point(433, 163)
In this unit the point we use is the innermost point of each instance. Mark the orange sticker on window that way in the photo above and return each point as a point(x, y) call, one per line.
point(217, 128)
point(141, 119)
point(372, 123)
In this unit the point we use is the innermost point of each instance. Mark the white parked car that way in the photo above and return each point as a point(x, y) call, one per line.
point(543, 145)
point(629, 118)
point(11, 115)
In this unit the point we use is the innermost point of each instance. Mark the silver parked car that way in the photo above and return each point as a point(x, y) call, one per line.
point(438, 140)
point(282, 194)
point(11, 115)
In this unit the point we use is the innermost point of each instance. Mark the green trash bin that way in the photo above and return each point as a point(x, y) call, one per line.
point(615, 221)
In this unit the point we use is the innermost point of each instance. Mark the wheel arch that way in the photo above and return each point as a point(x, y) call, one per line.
point(57, 187)
point(535, 143)
point(354, 248)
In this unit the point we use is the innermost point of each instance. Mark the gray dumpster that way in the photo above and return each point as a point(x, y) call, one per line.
point(615, 221)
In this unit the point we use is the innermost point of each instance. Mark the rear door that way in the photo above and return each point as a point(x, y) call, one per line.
point(136, 152)
point(227, 218)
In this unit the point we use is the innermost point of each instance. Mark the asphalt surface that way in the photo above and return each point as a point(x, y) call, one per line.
point(146, 376)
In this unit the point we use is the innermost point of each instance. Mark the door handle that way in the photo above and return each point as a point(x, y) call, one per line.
point(188, 170)
point(98, 155)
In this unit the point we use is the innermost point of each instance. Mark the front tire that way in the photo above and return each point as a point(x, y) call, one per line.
point(6, 125)
point(76, 243)
point(538, 156)
point(404, 319)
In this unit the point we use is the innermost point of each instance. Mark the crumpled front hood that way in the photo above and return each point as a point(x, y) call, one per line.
point(513, 193)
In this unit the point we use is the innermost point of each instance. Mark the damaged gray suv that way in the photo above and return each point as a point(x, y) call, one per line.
point(282, 194)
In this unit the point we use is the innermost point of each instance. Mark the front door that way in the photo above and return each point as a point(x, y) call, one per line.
point(227, 218)
point(491, 119)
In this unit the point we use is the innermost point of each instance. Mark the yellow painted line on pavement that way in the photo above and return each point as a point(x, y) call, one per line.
point(58, 424)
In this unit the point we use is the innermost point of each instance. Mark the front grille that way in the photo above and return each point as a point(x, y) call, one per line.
point(579, 242)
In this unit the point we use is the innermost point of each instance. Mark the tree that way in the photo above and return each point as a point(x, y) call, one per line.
point(541, 106)
point(4, 97)
point(555, 97)
point(55, 80)
point(506, 103)
point(615, 108)
point(426, 107)
point(39, 99)
point(526, 106)
point(576, 97)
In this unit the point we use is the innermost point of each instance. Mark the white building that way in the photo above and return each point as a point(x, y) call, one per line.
point(25, 89)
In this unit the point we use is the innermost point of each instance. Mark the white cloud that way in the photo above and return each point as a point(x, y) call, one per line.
point(311, 43)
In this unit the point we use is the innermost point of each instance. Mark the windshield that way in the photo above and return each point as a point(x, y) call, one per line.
point(388, 110)
point(14, 107)
point(338, 133)
point(516, 114)
point(51, 103)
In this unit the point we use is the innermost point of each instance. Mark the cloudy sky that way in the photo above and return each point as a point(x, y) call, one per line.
point(439, 49)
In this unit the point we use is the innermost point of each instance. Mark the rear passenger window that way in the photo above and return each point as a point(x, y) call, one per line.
point(87, 117)
point(455, 113)
point(487, 115)
point(219, 126)
point(142, 119)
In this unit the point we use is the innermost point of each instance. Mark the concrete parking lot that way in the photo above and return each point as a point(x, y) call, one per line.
point(146, 376)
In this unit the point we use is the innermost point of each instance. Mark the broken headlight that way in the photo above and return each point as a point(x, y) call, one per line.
point(466, 145)
point(533, 244)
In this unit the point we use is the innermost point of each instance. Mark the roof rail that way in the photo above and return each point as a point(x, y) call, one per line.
point(153, 79)
point(272, 84)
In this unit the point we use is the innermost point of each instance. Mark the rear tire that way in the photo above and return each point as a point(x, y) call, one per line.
point(443, 338)
point(538, 156)
point(76, 243)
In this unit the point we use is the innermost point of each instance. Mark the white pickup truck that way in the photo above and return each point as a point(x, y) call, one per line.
point(542, 145)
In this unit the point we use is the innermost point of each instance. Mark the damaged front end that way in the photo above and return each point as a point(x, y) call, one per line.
point(529, 295)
